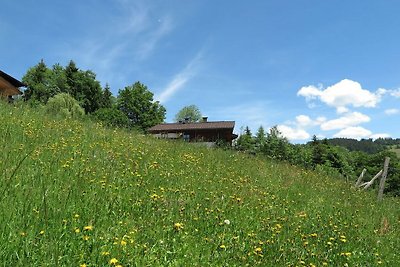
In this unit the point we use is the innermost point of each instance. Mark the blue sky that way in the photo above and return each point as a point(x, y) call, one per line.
point(329, 68)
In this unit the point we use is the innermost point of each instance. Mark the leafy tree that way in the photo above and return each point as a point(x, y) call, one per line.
point(43, 83)
point(64, 105)
point(192, 113)
point(136, 101)
point(112, 117)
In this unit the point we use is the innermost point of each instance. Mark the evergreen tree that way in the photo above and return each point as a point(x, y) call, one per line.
point(260, 138)
point(37, 80)
point(245, 141)
point(107, 97)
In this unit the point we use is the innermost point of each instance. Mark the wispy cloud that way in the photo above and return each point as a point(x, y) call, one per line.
point(180, 79)
point(132, 34)
point(252, 114)
point(392, 111)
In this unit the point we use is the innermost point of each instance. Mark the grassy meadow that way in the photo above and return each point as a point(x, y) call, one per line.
point(79, 194)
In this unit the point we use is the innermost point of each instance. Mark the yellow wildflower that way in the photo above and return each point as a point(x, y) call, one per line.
point(113, 261)
point(88, 228)
point(178, 226)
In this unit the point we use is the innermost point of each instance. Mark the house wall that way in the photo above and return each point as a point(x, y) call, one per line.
point(207, 135)
point(7, 88)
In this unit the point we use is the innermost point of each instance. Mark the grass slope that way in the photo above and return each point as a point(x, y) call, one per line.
point(77, 194)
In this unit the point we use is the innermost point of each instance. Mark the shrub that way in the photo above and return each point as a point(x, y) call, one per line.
point(112, 117)
point(64, 105)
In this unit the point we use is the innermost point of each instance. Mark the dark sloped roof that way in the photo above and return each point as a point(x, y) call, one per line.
point(193, 126)
point(11, 79)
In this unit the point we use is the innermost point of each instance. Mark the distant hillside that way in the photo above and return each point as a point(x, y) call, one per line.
point(77, 194)
point(366, 145)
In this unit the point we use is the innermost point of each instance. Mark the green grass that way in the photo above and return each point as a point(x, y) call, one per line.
point(76, 194)
point(396, 150)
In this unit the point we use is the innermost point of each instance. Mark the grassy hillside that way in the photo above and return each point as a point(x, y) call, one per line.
point(75, 194)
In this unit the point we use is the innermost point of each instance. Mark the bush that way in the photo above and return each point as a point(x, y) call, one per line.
point(112, 117)
point(64, 105)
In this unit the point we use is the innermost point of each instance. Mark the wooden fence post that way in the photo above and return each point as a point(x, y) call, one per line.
point(383, 178)
point(360, 178)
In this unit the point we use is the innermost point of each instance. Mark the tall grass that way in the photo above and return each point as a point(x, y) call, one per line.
point(78, 194)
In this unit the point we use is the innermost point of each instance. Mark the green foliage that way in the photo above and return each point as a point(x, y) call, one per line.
point(112, 117)
point(322, 156)
point(43, 83)
point(65, 106)
point(84, 87)
point(136, 101)
point(38, 80)
point(76, 194)
point(191, 113)
point(107, 99)
point(245, 141)
point(365, 145)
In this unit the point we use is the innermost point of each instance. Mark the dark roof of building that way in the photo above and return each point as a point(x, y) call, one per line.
point(209, 125)
point(11, 79)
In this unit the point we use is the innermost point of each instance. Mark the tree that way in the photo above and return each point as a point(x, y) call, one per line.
point(192, 113)
point(276, 146)
point(84, 87)
point(245, 141)
point(107, 98)
point(112, 117)
point(64, 105)
point(260, 138)
point(37, 80)
point(136, 101)
point(44, 83)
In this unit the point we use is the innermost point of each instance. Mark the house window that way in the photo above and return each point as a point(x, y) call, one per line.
point(186, 137)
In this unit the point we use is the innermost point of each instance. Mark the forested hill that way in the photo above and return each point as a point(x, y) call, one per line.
point(366, 145)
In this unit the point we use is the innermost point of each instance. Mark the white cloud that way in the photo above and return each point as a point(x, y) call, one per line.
point(342, 94)
point(395, 93)
point(354, 133)
point(292, 133)
point(341, 110)
point(348, 120)
point(303, 121)
point(179, 80)
point(392, 111)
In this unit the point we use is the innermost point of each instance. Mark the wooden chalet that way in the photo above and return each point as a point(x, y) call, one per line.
point(9, 86)
point(205, 131)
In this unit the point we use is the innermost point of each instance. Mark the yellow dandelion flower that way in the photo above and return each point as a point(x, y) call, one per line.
point(222, 246)
point(41, 232)
point(88, 228)
point(113, 261)
point(123, 243)
point(178, 226)
point(77, 230)
point(85, 237)
point(105, 253)
point(347, 254)
point(258, 250)
point(83, 265)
